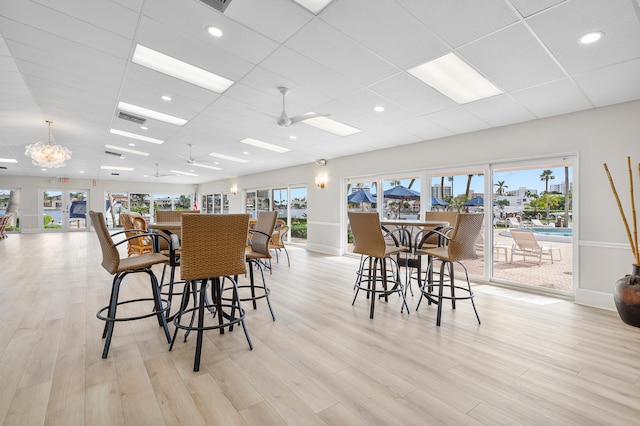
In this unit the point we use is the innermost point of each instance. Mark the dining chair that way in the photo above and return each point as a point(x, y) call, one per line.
point(4, 220)
point(369, 241)
point(460, 244)
point(258, 256)
point(135, 226)
point(120, 268)
point(212, 251)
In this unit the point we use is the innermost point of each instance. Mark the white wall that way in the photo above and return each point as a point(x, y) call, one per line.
point(607, 134)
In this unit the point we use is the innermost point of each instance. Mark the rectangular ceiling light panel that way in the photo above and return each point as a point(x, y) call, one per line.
point(331, 126)
point(314, 6)
point(264, 145)
point(206, 166)
point(136, 136)
point(455, 79)
point(149, 113)
point(8, 160)
point(123, 169)
point(183, 173)
point(181, 70)
point(127, 150)
point(228, 157)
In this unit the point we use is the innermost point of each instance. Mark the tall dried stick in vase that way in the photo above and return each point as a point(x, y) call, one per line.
point(632, 242)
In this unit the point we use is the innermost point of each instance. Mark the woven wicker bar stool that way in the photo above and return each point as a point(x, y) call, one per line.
point(257, 254)
point(213, 249)
point(460, 245)
point(369, 241)
point(120, 268)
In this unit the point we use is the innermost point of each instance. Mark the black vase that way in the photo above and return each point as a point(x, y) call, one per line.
point(626, 294)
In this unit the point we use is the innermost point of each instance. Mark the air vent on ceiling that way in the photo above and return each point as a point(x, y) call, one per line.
point(115, 174)
point(113, 153)
point(219, 5)
point(131, 117)
point(3, 168)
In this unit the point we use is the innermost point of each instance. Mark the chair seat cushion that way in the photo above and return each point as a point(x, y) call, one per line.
point(255, 255)
point(142, 261)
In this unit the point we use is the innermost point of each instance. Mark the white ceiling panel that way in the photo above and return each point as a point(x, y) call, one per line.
point(608, 85)
point(326, 45)
point(560, 27)
point(456, 21)
point(390, 31)
point(527, 7)
point(526, 63)
point(567, 98)
point(70, 61)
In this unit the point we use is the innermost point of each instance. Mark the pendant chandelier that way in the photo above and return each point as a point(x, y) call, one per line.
point(49, 156)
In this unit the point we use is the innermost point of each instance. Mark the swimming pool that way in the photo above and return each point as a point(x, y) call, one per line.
point(563, 232)
point(559, 235)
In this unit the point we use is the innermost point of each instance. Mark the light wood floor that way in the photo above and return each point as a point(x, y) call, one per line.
point(534, 360)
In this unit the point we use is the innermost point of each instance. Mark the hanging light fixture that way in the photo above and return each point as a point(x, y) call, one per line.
point(49, 156)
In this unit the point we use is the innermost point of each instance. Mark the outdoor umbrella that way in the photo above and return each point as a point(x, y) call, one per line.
point(475, 201)
point(435, 201)
point(362, 196)
point(401, 193)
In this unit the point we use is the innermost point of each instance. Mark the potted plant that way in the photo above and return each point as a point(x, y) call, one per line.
point(626, 292)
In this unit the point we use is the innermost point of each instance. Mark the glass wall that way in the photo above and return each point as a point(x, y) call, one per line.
point(401, 198)
point(298, 214)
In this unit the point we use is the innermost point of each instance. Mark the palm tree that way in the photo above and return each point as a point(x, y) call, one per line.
point(442, 188)
point(466, 192)
point(546, 176)
point(566, 197)
point(501, 187)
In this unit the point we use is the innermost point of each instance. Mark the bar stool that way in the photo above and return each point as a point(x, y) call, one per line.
point(370, 242)
point(120, 268)
point(460, 245)
point(212, 250)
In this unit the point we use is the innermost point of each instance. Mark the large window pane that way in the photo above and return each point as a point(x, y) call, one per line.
point(401, 198)
point(10, 206)
point(298, 215)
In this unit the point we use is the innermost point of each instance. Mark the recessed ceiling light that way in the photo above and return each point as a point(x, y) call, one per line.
point(127, 150)
point(264, 145)
point(379, 109)
point(144, 127)
point(330, 125)
point(81, 171)
point(149, 113)
point(44, 170)
point(124, 169)
point(214, 31)
point(591, 37)
point(245, 152)
point(8, 160)
point(136, 136)
point(455, 79)
point(228, 157)
point(292, 137)
point(183, 173)
point(166, 98)
point(181, 70)
point(131, 144)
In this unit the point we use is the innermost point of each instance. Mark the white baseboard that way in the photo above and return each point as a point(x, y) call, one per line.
point(319, 248)
point(595, 299)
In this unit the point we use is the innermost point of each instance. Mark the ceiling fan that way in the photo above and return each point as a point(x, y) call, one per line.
point(192, 161)
point(157, 174)
point(285, 121)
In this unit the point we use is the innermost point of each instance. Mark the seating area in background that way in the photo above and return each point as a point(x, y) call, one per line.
point(537, 223)
point(277, 240)
point(4, 220)
point(525, 244)
point(135, 229)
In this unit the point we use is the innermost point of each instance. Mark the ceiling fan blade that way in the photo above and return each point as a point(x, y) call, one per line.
point(301, 118)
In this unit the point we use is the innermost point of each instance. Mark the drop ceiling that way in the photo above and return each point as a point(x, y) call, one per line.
point(69, 61)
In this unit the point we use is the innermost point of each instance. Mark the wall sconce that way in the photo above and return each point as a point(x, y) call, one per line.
point(321, 181)
point(234, 190)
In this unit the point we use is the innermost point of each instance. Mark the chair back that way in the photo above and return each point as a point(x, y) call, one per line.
point(462, 245)
point(434, 239)
point(265, 225)
point(213, 245)
point(277, 239)
point(367, 234)
point(170, 216)
point(110, 255)
point(524, 239)
point(4, 220)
